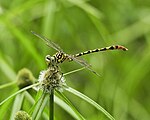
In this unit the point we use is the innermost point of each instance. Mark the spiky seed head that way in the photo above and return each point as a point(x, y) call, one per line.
point(51, 79)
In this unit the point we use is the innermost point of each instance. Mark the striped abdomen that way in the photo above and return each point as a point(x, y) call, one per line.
point(114, 47)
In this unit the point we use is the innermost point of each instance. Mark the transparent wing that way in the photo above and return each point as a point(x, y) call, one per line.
point(57, 47)
point(48, 42)
point(83, 63)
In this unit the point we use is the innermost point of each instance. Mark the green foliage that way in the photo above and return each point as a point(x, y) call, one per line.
point(78, 25)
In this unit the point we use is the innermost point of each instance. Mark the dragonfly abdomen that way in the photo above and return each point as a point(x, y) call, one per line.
point(113, 47)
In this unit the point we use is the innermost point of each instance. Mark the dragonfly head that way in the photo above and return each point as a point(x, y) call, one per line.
point(50, 60)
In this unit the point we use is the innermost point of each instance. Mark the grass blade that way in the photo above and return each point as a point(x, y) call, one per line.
point(17, 105)
point(87, 99)
point(26, 88)
point(78, 115)
point(38, 105)
point(7, 84)
point(43, 105)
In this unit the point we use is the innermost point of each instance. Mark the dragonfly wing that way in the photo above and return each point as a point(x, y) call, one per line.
point(83, 63)
point(48, 42)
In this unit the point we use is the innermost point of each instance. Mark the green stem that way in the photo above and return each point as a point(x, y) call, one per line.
point(51, 117)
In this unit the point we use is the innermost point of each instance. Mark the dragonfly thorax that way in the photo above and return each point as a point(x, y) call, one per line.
point(60, 57)
point(57, 58)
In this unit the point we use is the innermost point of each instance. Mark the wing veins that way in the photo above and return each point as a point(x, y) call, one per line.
point(57, 48)
point(83, 63)
point(48, 42)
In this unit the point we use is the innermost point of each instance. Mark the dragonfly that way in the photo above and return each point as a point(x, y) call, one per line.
point(60, 56)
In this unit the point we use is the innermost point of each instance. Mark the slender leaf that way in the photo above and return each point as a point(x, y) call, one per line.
point(87, 99)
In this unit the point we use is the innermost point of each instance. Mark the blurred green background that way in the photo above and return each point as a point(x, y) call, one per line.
point(78, 25)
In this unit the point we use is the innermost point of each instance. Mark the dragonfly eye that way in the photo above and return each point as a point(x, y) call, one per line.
point(50, 60)
point(53, 60)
